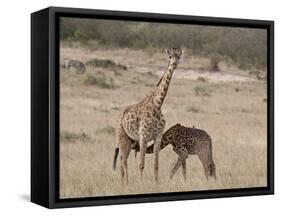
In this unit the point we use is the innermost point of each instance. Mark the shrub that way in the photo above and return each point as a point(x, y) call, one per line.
point(72, 137)
point(115, 108)
point(214, 63)
point(99, 79)
point(193, 109)
point(151, 75)
point(202, 91)
point(107, 130)
point(202, 79)
point(108, 64)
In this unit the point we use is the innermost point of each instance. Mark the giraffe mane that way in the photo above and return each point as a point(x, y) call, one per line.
point(160, 80)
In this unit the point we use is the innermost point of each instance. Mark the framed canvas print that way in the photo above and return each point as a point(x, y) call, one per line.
point(139, 107)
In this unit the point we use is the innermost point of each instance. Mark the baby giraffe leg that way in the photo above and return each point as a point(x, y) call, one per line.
point(183, 154)
point(177, 165)
point(184, 169)
point(204, 158)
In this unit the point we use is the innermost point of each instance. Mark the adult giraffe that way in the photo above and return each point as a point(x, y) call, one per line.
point(143, 122)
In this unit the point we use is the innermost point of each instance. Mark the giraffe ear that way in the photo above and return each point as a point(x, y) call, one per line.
point(168, 52)
point(180, 53)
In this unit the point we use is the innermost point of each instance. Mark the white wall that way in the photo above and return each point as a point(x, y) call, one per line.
point(15, 105)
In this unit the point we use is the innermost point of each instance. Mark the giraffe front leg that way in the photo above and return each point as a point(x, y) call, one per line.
point(125, 171)
point(122, 170)
point(156, 149)
point(129, 147)
point(177, 165)
point(143, 146)
point(183, 155)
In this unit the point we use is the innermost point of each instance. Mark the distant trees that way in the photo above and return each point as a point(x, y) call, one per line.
point(243, 46)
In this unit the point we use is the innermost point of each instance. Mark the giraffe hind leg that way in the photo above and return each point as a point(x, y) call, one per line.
point(204, 158)
point(122, 170)
point(124, 154)
point(184, 168)
point(125, 145)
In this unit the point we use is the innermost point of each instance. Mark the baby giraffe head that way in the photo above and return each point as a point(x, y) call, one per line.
point(174, 56)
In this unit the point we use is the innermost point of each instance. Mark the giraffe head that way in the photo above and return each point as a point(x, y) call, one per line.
point(174, 56)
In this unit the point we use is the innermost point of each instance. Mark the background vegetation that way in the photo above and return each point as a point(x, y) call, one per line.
point(244, 47)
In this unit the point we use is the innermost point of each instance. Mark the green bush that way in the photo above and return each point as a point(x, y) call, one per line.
point(99, 79)
point(107, 130)
point(202, 91)
point(214, 62)
point(106, 63)
point(202, 79)
point(245, 47)
point(193, 109)
point(72, 137)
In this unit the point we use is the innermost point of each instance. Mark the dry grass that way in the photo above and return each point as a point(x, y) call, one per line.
point(235, 119)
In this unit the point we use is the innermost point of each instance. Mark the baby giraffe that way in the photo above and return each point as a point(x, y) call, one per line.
point(143, 122)
point(188, 141)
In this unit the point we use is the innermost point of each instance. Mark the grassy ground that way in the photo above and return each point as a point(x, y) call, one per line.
point(232, 112)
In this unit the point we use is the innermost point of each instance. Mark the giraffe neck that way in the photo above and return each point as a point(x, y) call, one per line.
point(163, 86)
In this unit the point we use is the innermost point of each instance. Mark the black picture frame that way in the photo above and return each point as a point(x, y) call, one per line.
point(45, 107)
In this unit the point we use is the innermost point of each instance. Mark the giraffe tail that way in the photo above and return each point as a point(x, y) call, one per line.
point(116, 152)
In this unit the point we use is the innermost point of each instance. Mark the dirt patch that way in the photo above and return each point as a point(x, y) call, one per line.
point(212, 77)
